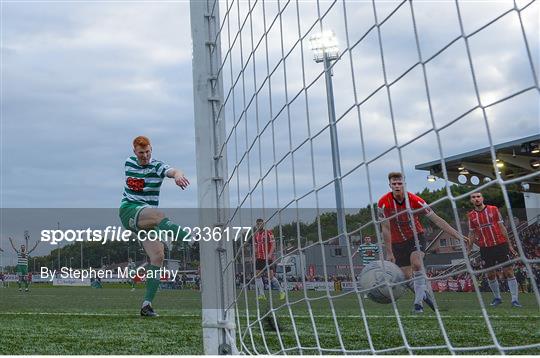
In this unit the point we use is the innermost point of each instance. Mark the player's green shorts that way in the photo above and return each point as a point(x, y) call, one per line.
point(22, 270)
point(129, 214)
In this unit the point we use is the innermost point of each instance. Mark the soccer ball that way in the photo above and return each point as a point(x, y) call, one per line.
point(378, 273)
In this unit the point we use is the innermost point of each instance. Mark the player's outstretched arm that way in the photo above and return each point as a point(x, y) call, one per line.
point(387, 241)
point(33, 248)
point(472, 240)
point(14, 248)
point(179, 177)
point(444, 226)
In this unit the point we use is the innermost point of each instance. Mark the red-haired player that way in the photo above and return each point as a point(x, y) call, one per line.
point(138, 211)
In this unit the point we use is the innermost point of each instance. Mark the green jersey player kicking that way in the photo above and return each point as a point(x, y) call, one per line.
point(22, 264)
point(138, 210)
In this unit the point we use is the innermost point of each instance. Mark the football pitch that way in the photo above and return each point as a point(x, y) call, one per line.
point(80, 320)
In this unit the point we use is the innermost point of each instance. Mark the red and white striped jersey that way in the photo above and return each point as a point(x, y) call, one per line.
point(485, 225)
point(401, 226)
point(264, 244)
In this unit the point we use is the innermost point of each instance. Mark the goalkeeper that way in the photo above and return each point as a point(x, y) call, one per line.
point(138, 210)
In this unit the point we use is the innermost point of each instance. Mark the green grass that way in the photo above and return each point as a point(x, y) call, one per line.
point(77, 320)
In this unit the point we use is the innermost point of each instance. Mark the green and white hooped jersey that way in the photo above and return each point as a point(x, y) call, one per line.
point(131, 267)
point(22, 259)
point(367, 252)
point(143, 183)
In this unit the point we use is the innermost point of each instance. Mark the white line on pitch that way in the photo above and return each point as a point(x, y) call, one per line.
point(282, 317)
point(86, 314)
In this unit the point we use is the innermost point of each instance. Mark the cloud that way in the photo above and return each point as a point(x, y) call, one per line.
point(501, 68)
point(87, 78)
point(80, 81)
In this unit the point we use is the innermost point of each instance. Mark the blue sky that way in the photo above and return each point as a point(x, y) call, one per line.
point(81, 79)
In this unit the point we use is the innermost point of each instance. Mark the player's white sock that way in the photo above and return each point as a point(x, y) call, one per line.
point(275, 282)
point(259, 286)
point(419, 286)
point(494, 285)
point(146, 303)
point(513, 286)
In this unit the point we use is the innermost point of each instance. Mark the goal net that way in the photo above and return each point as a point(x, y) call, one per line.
point(302, 108)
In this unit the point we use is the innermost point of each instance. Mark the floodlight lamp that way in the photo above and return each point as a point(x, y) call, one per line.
point(535, 149)
point(324, 43)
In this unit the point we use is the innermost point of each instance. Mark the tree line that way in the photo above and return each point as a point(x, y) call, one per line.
point(309, 232)
point(97, 255)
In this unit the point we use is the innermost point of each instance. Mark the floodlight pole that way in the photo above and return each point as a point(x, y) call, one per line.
point(336, 166)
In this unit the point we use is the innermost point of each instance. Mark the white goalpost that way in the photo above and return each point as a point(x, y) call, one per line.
point(301, 110)
point(216, 275)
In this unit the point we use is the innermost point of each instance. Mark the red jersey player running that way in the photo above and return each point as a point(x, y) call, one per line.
point(487, 230)
point(398, 234)
point(264, 244)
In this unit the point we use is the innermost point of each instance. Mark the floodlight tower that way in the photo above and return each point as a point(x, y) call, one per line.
point(325, 49)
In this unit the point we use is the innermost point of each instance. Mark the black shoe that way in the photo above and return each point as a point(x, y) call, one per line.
point(273, 324)
point(427, 298)
point(429, 301)
point(148, 311)
point(516, 304)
